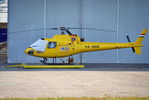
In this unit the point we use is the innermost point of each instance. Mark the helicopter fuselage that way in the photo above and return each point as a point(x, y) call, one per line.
point(67, 45)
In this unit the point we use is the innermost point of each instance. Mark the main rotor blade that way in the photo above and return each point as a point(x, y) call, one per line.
point(33, 30)
point(93, 29)
point(52, 28)
point(68, 31)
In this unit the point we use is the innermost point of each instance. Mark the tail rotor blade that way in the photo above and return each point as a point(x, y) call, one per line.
point(128, 38)
point(133, 50)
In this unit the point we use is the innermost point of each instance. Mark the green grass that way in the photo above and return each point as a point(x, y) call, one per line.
point(81, 98)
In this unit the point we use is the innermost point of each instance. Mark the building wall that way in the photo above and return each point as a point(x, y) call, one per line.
point(121, 16)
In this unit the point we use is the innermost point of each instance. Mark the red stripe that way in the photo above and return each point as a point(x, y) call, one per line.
point(142, 34)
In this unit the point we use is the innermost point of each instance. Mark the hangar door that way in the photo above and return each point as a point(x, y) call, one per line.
point(29, 20)
point(100, 14)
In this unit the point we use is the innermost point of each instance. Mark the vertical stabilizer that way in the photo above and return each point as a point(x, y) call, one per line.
point(141, 36)
point(139, 41)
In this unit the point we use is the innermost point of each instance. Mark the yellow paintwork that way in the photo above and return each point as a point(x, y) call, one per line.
point(76, 46)
point(46, 66)
point(53, 66)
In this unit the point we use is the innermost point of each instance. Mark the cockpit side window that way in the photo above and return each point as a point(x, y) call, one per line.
point(51, 44)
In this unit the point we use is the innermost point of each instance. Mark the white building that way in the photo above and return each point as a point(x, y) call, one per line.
point(3, 11)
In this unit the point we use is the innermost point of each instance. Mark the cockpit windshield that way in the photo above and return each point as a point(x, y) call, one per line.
point(39, 45)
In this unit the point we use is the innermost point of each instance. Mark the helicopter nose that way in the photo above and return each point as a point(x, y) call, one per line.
point(29, 51)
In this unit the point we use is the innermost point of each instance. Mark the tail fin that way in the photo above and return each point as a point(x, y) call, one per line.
point(139, 40)
point(141, 36)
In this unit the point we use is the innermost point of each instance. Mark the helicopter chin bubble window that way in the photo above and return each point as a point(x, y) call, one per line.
point(51, 44)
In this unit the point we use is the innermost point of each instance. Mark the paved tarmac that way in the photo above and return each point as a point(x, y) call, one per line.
point(95, 80)
point(88, 67)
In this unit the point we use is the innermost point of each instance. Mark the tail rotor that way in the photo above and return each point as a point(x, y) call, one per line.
point(127, 36)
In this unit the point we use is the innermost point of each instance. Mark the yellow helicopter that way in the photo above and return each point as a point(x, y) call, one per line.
point(64, 45)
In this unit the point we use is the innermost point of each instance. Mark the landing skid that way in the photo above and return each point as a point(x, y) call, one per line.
point(44, 66)
point(44, 61)
point(70, 61)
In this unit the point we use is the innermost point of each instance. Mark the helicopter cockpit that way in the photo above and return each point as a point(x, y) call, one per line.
point(40, 46)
